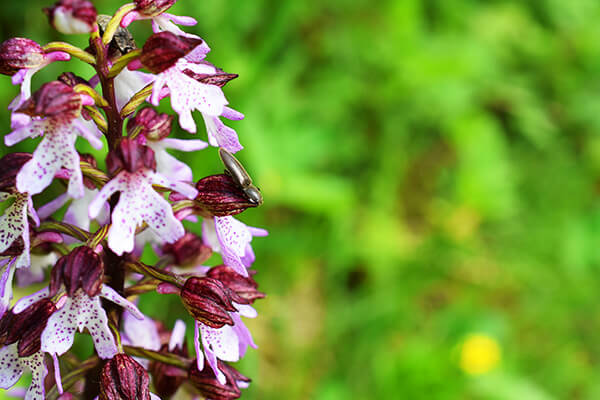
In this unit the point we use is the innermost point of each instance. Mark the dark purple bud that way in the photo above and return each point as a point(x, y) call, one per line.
point(244, 287)
point(72, 16)
point(153, 125)
point(208, 385)
point(152, 8)
point(53, 99)
point(26, 327)
point(220, 196)
point(11, 165)
point(123, 378)
point(188, 250)
point(20, 53)
point(70, 79)
point(82, 268)
point(208, 301)
point(166, 378)
point(220, 78)
point(130, 156)
point(162, 50)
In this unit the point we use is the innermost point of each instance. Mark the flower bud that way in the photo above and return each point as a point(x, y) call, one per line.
point(208, 384)
point(208, 301)
point(244, 287)
point(26, 327)
point(82, 268)
point(219, 78)
point(11, 165)
point(221, 196)
point(20, 53)
point(123, 378)
point(130, 156)
point(72, 16)
point(53, 99)
point(162, 50)
point(70, 79)
point(166, 378)
point(190, 249)
point(152, 125)
point(152, 8)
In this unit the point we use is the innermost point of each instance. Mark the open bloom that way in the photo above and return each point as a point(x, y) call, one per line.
point(79, 312)
point(138, 201)
point(228, 343)
point(231, 238)
point(54, 109)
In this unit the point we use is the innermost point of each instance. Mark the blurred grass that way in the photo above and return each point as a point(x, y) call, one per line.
point(430, 171)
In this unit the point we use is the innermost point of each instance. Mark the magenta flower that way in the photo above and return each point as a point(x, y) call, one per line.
point(231, 238)
point(228, 343)
point(219, 134)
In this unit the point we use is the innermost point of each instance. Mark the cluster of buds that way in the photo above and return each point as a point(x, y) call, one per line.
point(87, 243)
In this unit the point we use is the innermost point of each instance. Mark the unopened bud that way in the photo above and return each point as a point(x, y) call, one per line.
point(20, 53)
point(190, 249)
point(166, 378)
point(162, 50)
point(208, 301)
point(53, 99)
point(123, 378)
point(26, 327)
point(130, 156)
point(72, 16)
point(244, 287)
point(11, 165)
point(153, 125)
point(221, 196)
point(210, 387)
point(70, 79)
point(82, 268)
point(152, 8)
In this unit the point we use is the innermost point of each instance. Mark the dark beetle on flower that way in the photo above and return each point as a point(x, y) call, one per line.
point(236, 170)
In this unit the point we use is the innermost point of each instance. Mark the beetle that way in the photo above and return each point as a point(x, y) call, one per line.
point(236, 170)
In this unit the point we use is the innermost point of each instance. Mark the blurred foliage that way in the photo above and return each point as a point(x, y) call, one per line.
point(430, 171)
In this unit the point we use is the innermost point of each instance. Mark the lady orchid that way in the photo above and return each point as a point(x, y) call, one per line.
point(93, 234)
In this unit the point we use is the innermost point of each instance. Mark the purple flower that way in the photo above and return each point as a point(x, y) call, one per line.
point(228, 343)
point(13, 367)
point(169, 166)
point(231, 238)
point(128, 83)
point(55, 111)
point(188, 94)
point(219, 134)
point(139, 202)
point(72, 16)
point(78, 313)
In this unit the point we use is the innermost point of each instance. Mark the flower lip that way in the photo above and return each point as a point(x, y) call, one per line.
point(82, 268)
point(11, 165)
point(130, 156)
point(20, 53)
point(162, 50)
point(153, 125)
point(51, 100)
point(123, 378)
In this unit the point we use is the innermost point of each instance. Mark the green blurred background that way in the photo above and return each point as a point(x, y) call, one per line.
point(430, 172)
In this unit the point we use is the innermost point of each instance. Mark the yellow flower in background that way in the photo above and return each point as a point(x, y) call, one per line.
point(479, 354)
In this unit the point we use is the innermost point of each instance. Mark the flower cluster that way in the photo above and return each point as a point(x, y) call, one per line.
point(87, 243)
